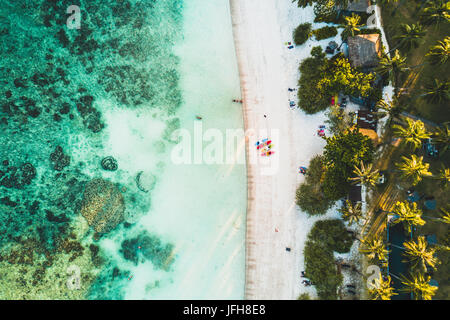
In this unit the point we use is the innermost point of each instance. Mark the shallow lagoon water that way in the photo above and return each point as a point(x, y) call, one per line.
point(135, 72)
point(200, 208)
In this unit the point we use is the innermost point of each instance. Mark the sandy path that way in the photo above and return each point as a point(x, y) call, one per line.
point(271, 271)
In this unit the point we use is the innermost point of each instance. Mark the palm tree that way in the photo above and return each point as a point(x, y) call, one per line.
point(444, 177)
point(338, 119)
point(438, 91)
point(410, 36)
point(351, 213)
point(414, 168)
point(440, 52)
point(392, 66)
point(390, 108)
point(413, 133)
point(366, 176)
point(351, 25)
point(420, 286)
point(412, 216)
point(445, 218)
point(382, 289)
point(420, 255)
point(441, 137)
point(436, 11)
point(374, 248)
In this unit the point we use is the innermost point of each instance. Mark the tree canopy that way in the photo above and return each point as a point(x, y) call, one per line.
point(321, 78)
point(342, 153)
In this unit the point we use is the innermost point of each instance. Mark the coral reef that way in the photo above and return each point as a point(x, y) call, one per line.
point(30, 271)
point(14, 177)
point(150, 247)
point(59, 159)
point(109, 164)
point(103, 205)
point(55, 82)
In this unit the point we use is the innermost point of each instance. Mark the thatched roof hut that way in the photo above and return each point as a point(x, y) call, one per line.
point(364, 50)
point(371, 134)
point(356, 6)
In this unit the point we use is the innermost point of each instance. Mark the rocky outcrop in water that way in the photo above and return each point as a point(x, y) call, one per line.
point(59, 159)
point(146, 246)
point(109, 164)
point(103, 205)
point(91, 116)
point(145, 182)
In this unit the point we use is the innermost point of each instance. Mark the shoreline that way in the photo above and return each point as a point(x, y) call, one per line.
point(266, 70)
point(261, 280)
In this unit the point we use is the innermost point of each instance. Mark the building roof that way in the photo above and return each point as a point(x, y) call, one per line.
point(357, 6)
point(364, 50)
point(354, 194)
point(371, 134)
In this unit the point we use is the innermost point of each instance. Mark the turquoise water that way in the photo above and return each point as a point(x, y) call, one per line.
point(120, 86)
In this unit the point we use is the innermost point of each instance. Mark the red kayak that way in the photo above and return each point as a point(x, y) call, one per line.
point(268, 153)
point(262, 145)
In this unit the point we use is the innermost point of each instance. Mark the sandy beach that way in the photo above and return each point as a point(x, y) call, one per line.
point(267, 69)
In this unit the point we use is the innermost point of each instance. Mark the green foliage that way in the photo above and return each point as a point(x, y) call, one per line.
point(320, 268)
point(302, 33)
point(410, 36)
point(325, 237)
point(325, 10)
point(413, 133)
point(414, 168)
point(303, 3)
point(332, 234)
point(342, 153)
point(351, 26)
point(437, 92)
point(309, 195)
point(338, 119)
point(311, 100)
point(317, 52)
point(439, 53)
point(322, 78)
point(304, 296)
point(392, 66)
point(341, 77)
point(325, 32)
point(436, 12)
point(441, 137)
point(310, 198)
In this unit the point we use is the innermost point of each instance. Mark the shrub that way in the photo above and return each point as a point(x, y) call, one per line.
point(332, 234)
point(325, 11)
point(302, 33)
point(325, 32)
point(338, 120)
point(322, 78)
point(341, 77)
point(320, 268)
point(304, 296)
point(311, 99)
point(325, 237)
point(309, 195)
point(342, 153)
point(311, 199)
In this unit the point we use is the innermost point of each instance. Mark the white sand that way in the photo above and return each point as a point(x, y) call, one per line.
point(267, 68)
